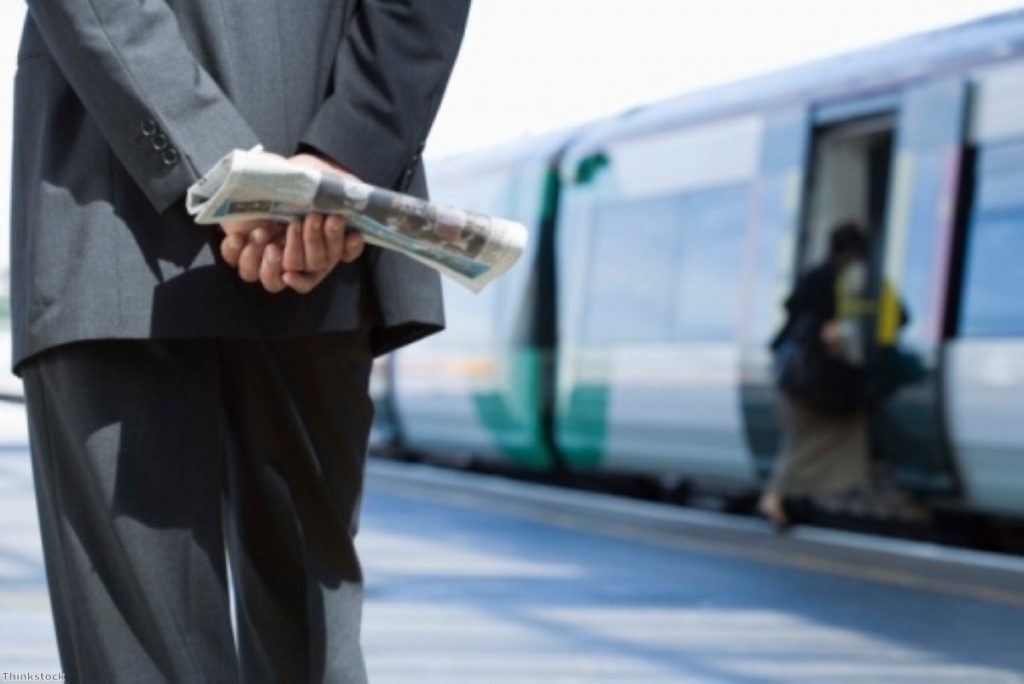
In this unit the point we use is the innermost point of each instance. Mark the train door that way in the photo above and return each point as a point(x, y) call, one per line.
point(892, 162)
point(896, 171)
point(819, 168)
point(908, 424)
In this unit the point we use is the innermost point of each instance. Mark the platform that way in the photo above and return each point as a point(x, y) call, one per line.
point(477, 580)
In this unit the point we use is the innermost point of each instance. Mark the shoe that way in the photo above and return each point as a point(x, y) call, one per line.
point(773, 507)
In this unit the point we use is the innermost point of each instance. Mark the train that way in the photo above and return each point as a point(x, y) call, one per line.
point(633, 335)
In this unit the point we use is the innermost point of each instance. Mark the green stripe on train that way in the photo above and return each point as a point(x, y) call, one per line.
point(512, 409)
point(583, 413)
point(582, 426)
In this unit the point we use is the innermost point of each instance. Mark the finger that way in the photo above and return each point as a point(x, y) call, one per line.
point(294, 258)
point(231, 249)
point(260, 235)
point(334, 229)
point(313, 242)
point(354, 245)
point(249, 263)
point(270, 269)
point(303, 283)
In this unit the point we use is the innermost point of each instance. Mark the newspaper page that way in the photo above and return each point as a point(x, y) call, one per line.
point(471, 248)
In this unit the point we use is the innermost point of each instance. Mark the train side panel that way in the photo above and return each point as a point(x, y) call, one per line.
point(985, 397)
point(651, 254)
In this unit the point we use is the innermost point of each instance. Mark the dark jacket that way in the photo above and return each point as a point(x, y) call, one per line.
point(815, 297)
point(120, 105)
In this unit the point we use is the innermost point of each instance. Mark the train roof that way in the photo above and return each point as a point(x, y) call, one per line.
point(876, 68)
point(546, 147)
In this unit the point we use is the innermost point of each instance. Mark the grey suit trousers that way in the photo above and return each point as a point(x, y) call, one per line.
point(151, 457)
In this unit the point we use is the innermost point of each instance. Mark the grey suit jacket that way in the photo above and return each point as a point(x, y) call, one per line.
point(121, 104)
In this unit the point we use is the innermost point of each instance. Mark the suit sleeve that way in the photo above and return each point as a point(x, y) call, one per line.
point(390, 74)
point(163, 115)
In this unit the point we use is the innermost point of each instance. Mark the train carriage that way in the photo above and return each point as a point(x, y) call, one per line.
point(684, 226)
point(634, 335)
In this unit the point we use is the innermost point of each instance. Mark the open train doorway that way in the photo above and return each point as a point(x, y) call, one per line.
point(851, 168)
point(851, 165)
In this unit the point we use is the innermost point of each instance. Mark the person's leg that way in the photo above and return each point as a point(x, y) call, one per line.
point(772, 503)
point(127, 453)
point(300, 414)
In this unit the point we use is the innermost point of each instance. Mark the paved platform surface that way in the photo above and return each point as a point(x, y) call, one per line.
point(461, 592)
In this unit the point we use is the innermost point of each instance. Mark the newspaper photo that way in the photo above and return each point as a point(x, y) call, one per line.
point(469, 247)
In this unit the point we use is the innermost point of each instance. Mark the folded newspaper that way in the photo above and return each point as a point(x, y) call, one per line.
point(471, 248)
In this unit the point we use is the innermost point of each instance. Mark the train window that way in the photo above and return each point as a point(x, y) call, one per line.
point(709, 264)
point(998, 112)
point(688, 159)
point(628, 295)
point(993, 278)
point(667, 268)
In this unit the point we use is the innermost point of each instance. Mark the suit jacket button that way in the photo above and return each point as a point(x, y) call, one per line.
point(149, 128)
point(159, 142)
point(170, 156)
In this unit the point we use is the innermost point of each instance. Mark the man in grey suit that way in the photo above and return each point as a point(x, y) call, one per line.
point(175, 407)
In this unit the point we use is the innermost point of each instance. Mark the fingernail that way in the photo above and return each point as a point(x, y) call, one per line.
point(273, 254)
point(336, 226)
point(236, 241)
point(259, 237)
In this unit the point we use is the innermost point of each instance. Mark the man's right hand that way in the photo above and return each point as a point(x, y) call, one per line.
point(299, 254)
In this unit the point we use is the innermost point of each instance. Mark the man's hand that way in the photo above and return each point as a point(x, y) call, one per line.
point(244, 245)
point(311, 249)
point(299, 255)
